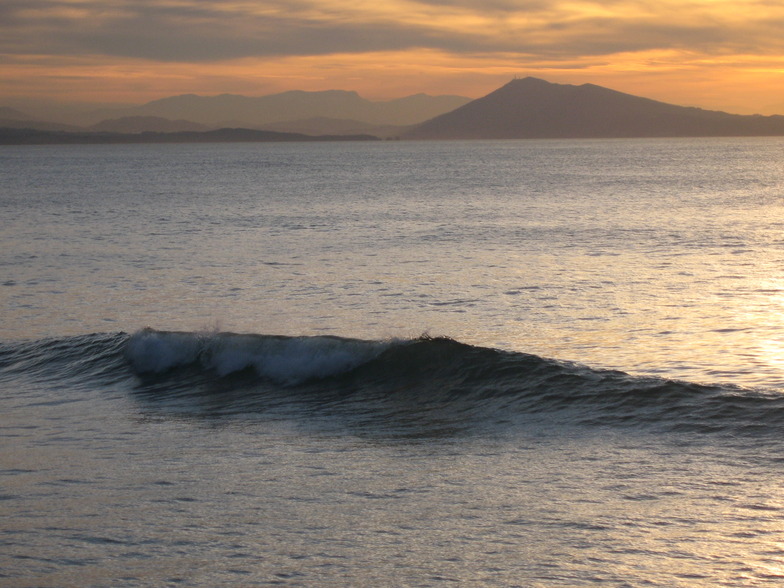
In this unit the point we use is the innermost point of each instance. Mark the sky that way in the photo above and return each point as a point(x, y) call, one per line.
point(716, 54)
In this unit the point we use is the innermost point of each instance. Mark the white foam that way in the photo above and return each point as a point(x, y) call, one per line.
point(287, 360)
point(156, 351)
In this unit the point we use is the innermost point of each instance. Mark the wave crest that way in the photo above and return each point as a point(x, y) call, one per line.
point(285, 360)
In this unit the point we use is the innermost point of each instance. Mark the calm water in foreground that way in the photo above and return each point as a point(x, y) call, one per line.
point(213, 369)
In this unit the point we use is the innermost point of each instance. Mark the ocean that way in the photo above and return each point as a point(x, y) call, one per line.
point(480, 363)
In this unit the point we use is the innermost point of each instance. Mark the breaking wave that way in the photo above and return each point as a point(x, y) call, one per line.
point(245, 374)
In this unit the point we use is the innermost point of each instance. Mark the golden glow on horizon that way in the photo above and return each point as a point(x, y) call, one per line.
point(710, 53)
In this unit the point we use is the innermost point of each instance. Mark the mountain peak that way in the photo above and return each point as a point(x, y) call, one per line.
point(535, 108)
point(532, 82)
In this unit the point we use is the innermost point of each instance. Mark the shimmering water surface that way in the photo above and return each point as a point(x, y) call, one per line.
point(211, 370)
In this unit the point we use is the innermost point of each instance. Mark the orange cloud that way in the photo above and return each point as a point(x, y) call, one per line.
point(698, 52)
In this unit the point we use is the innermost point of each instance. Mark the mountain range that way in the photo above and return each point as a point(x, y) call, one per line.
point(521, 109)
point(329, 112)
point(229, 110)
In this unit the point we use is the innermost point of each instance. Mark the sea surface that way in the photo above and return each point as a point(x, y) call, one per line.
point(511, 363)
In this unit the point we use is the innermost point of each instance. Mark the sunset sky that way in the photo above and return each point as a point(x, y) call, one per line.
point(716, 54)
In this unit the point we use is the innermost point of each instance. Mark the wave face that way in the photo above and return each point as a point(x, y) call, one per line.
point(383, 382)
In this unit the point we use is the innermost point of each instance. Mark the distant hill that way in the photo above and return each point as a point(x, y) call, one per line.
point(321, 125)
point(534, 108)
point(16, 136)
point(242, 111)
point(38, 125)
point(141, 124)
point(8, 113)
point(13, 118)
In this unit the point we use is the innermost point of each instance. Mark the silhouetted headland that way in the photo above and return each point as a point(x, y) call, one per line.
point(531, 108)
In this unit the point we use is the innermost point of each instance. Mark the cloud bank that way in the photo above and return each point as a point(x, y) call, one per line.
point(147, 46)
